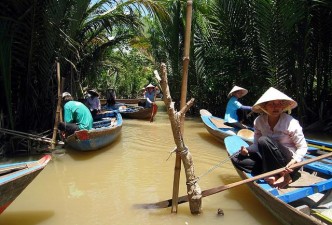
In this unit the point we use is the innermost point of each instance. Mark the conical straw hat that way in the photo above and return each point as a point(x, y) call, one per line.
point(149, 86)
point(273, 94)
point(237, 88)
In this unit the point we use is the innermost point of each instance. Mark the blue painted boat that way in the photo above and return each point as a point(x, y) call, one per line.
point(307, 200)
point(104, 132)
point(220, 131)
point(319, 144)
point(15, 177)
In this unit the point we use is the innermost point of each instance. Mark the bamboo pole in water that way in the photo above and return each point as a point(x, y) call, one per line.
point(193, 190)
point(194, 205)
point(58, 108)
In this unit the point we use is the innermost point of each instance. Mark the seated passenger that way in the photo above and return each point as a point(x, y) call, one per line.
point(278, 139)
point(76, 116)
point(234, 107)
point(93, 103)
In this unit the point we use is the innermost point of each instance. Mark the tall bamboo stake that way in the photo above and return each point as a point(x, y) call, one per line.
point(58, 108)
point(177, 168)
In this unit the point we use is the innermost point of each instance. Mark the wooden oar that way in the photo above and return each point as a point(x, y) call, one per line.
point(153, 112)
point(208, 192)
point(154, 107)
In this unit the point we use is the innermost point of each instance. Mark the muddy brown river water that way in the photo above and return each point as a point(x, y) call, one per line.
point(101, 187)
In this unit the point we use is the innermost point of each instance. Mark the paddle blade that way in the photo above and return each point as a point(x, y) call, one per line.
point(154, 112)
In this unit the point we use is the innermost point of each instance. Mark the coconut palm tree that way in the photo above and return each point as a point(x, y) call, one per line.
point(78, 33)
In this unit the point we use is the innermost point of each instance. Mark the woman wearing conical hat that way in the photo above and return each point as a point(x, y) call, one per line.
point(278, 137)
point(149, 95)
point(234, 107)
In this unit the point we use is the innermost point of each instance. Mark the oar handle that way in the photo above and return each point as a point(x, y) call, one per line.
point(261, 176)
point(208, 192)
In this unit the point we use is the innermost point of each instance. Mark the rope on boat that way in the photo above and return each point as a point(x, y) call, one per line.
point(185, 151)
point(212, 168)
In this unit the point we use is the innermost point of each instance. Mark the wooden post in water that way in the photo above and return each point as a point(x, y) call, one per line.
point(58, 108)
point(177, 168)
point(193, 190)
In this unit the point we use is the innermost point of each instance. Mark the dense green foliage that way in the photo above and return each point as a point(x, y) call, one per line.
point(257, 44)
point(117, 44)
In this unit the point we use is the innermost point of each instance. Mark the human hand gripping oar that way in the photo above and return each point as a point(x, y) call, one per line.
point(211, 191)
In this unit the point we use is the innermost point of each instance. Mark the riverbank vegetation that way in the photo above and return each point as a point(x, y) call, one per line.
point(118, 44)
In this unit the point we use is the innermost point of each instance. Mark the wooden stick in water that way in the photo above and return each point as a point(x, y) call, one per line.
point(211, 191)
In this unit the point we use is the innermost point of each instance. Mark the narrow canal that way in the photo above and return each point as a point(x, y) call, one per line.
point(101, 187)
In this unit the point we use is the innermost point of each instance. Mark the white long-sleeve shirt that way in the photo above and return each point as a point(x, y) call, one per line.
point(287, 132)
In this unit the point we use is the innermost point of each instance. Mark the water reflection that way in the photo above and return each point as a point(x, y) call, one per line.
point(101, 187)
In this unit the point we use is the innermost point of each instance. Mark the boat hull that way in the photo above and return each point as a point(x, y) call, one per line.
point(285, 212)
point(13, 182)
point(142, 113)
point(96, 138)
point(215, 126)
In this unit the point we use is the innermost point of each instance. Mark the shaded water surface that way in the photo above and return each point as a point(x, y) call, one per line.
point(101, 187)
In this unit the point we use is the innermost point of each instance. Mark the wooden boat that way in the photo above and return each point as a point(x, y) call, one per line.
point(136, 112)
point(307, 200)
point(15, 177)
point(319, 145)
point(103, 133)
point(125, 101)
point(220, 131)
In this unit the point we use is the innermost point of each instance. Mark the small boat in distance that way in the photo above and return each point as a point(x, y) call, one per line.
point(104, 132)
point(220, 131)
point(306, 201)
point(124, 101)
point(15, 177)
point(129, 111)
point(138, 112)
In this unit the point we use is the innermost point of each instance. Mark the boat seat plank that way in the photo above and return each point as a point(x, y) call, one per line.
point(320, 167)
point(265, 186)
point(312, 149)
point(306, 191)
point(268, 187)
point(319, 143)
point(326, 161)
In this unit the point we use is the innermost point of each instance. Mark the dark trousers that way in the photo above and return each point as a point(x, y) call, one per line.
point(69, 128)
point(250, 164)
point(94, 113)
point(274, 155)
